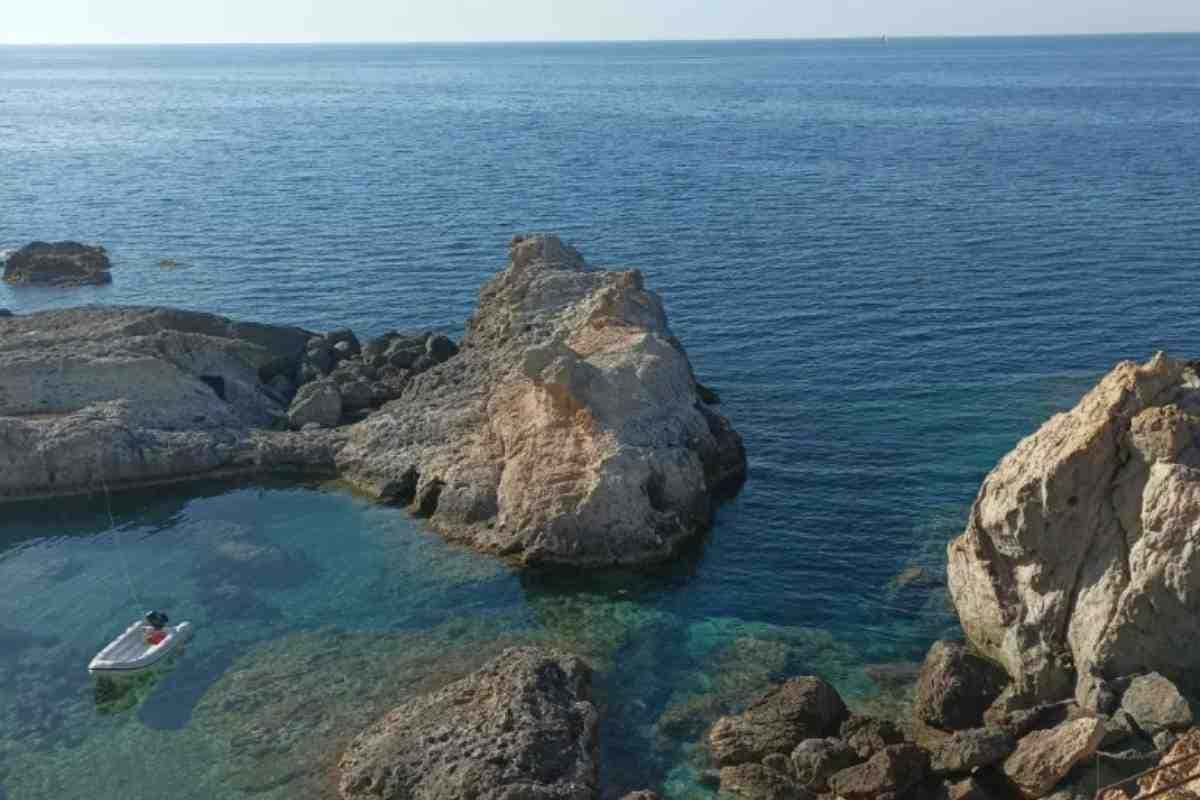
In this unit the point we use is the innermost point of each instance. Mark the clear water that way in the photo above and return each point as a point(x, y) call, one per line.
point(891, 261)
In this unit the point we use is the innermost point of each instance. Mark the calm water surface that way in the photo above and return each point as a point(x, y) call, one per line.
point(891, 261)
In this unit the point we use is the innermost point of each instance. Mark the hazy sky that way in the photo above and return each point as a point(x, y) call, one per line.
point(24, 21)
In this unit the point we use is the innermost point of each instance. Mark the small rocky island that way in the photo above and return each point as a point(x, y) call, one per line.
point(58, 264)
point(567, 426)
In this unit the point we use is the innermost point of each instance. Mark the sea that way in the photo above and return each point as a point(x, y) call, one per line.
point(891, 260)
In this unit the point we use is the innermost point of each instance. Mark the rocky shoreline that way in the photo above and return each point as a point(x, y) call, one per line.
point(567, 428)
point(558, 359)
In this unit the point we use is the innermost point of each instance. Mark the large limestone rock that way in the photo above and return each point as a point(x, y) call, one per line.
point(1080, 559)
point(94, 398)
point(523, 726)
point(58, 264)
point(1043, 758)
point(568, 429)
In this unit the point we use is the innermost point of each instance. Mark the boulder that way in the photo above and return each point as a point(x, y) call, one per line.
point(968, 750)
point(58, 264)
point(440, 349)
point(318, 403)
point(1078, 557)
point(558, 358)
point(802, 708)
point(889, 773)
point(866, 736)
point(955, 687)
point(1155, 704)
point(814, 761)
point(759, 782)
point(1043, 758)
point(522, 726)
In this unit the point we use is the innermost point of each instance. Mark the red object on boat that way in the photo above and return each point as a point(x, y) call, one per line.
point(154, 637)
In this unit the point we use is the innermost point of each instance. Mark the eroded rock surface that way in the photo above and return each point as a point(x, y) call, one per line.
point(58, 264)
point(568, 429)
point(523, 726)
point(1043, 758)
point(1079, 561)
point(109, 397)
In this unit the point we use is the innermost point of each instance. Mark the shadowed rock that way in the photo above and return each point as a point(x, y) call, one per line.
point(523, 726)
point(58, 264)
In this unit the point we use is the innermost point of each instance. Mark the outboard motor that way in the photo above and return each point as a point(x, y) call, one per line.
point(156, 619)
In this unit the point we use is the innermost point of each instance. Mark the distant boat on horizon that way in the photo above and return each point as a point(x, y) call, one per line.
point(883, 39)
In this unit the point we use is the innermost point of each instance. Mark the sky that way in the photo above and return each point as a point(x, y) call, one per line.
point(170, 21)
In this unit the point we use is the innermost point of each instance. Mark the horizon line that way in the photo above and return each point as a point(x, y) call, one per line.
point(647, 40)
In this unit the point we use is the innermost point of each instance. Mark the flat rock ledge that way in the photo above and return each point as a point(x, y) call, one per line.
point(567, 427)
point(523, 726)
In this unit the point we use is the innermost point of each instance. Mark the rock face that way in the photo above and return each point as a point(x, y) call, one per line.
point(523, 726)
point(1079, 561)
point(94, 398)
point(802, 708)
point(569, 428)
point(1043, 758)
point(968, 750)
point(955, 687)
point(58, 264)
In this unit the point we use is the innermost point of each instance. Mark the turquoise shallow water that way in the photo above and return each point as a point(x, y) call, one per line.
point(890, 261)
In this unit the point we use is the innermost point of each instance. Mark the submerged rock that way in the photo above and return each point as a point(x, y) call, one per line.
point(523, 725)
point(1079, 559)
point(58, 264)
point(559, 360)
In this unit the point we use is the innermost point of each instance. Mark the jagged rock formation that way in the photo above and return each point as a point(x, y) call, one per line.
point(522, 726)
point(58, 264)
point(569, 428)
point(1079, 563)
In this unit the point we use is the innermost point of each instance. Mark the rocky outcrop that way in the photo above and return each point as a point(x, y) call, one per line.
point(58, 264)
point(1079, 561)
point(569, 428)
point(94, 398)
point(523, 726)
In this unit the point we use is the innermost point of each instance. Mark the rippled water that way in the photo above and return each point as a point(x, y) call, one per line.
point(891, 261)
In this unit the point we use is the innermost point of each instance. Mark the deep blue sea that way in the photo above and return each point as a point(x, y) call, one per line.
point(892, 261)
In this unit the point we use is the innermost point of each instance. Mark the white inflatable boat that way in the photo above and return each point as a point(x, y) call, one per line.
point(130, 654)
